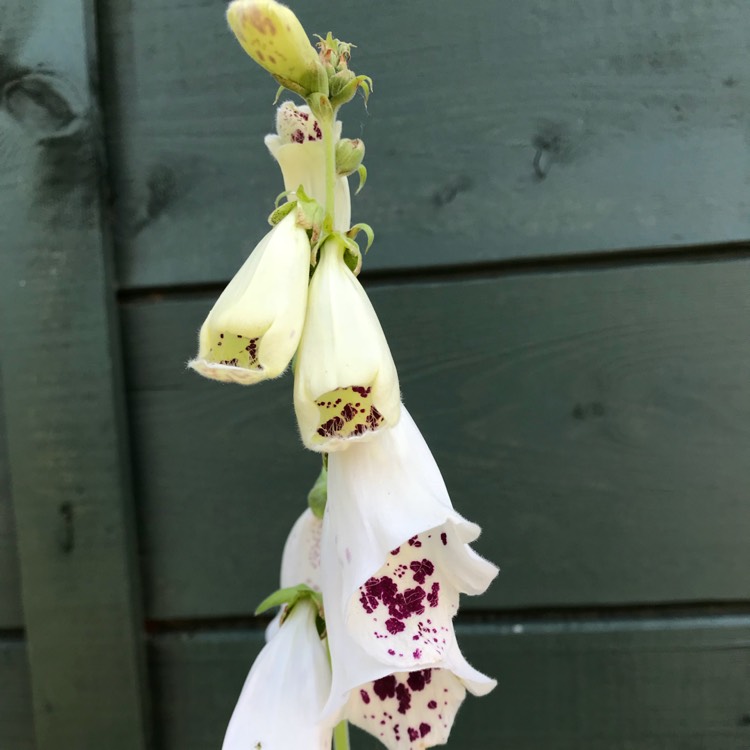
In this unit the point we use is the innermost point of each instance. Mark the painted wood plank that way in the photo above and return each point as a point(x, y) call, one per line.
point(16, 715)
point(11, 615)
point(62, 398)
point(635, 111)
point(594, 423)
point(613, 686)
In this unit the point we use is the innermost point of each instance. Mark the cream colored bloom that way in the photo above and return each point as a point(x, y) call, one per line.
point(345, 382)
point(254, 328)
point(298, 148)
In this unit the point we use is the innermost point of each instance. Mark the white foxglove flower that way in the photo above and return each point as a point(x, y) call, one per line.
point(300, 561)
point(298, 148)
point(253, 330)
point(281, 703)
point(395, 556)
point(345, 381)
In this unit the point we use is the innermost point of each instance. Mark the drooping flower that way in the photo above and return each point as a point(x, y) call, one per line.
point(273, 36)
point(299, 150)
point(395, 557)
point(255, 326)
point(281, 703)
point(345, 381)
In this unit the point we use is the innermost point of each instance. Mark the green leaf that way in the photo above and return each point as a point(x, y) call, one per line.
point(289, 596)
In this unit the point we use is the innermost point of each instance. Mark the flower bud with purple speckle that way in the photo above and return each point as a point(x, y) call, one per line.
point(273, 36)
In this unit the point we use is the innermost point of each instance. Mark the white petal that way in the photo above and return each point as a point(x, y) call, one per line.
point(281, 702)
point(345, 384)
point(388, 490)
point(408, 709)
point(300, 562)
point(255, 326)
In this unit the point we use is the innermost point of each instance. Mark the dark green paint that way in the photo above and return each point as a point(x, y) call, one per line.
point(66, 445)
point(10, 591)
point(633, 112)
point(595, 424)
point(653, 685)
point(16, 715)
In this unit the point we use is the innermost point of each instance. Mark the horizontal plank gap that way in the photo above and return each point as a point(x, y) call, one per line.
point(12, 635)
point(579, 619)
point(489, 270)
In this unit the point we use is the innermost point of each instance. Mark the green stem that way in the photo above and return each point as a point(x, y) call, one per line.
point(341, 736)
point(327, 127)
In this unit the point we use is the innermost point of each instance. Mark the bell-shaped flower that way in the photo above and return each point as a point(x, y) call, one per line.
point(281, 703)
point(299, 150)
point(395, 556)
point(345, 381)
point(273, 36)
point(253, 330)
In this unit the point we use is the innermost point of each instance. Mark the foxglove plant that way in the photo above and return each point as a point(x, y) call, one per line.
point(373, 570)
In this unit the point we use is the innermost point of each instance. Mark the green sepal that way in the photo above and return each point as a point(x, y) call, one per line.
point(290, 596)
point(279, 197)
point(362, 172)
point(350, 89)
point(367, 229)
point(279, 213)
point(352, 254)
point(318, 495)
point(310, 216)
point(276, 98)
point(320, 105)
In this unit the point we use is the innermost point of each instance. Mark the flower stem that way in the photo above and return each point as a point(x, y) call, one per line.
point(341, 736)
point(327, 127)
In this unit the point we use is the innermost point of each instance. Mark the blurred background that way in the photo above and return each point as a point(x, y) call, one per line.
point(560, 196)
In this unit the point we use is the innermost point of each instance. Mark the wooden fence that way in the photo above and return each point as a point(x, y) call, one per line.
point(561, 197)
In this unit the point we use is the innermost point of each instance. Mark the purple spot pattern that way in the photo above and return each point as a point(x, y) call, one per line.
point(295, 126)
point(408, 709)
point(406, 616)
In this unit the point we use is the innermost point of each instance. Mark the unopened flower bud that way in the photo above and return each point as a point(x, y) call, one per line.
point(273, 36)
point(349, 155)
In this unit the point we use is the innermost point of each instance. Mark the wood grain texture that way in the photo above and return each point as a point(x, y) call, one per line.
point(16, 715)
point(62, 399)
point(11, 615)
point(596, 424)
point(636, 111)
point(621, 686)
